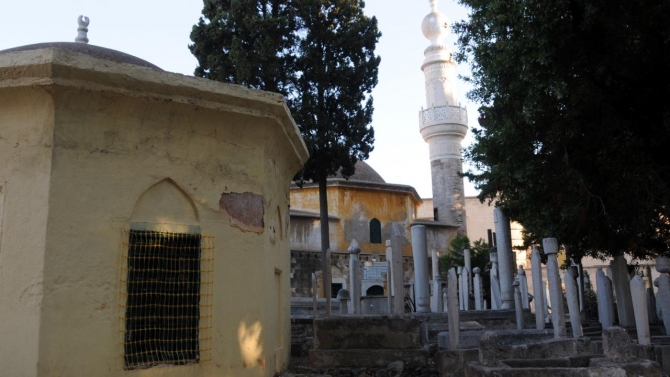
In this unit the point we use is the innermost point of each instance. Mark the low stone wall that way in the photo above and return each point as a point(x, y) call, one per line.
point(367, 332)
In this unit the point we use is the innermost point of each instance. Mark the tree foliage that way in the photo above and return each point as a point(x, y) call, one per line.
point(479, 257)
point(246, 42)
point(320, 54)
point(574, 119)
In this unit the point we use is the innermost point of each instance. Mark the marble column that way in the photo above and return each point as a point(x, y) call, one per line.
point(420, 254)
point(452, 309)
point(523, 286)
point(518, 305)
point(495, 282)
point(344, 298)
point(605, 303)
point(659, 305)
point(437, 292)
point(651, 298)
point(639, 295)
point(466, 288)
point(663, 266)
point(538, 287)
point(556, 292)
point(506, 268)
point(355, 276)
point(572, 296)
point(327, 282)
point(478, 289)
point(622, 290)
point(467, 258)
point(435, 295)
point(459, 278)
point(389, 298)
point(397, 236)
point(315, 293)
point(495, 294)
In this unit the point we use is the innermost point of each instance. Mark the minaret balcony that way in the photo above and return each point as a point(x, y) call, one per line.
point(448, 119)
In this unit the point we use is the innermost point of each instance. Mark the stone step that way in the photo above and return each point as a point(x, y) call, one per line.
point(367, 332)
point(320, 358)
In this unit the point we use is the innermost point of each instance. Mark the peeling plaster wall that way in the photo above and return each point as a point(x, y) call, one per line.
point(355, 207)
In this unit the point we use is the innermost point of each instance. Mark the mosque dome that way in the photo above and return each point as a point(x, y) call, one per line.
point(87, 49)
point(435, 26)
point(364, 173)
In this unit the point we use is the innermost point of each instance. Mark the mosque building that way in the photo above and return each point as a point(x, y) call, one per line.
point(367, 208)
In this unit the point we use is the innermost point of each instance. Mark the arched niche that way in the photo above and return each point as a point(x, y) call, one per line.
point(164, 203)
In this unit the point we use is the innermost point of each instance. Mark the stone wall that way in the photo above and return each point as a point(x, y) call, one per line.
point(304, 263)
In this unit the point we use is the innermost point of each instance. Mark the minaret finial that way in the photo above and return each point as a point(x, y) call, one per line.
point(433, 5)
point(82, 30)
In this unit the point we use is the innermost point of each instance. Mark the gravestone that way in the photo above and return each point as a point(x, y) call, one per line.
point(555, 288)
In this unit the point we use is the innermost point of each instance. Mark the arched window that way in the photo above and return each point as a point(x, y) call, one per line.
point(375, 231)
point(375, 290)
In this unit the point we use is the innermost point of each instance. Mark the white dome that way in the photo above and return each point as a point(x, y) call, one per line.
point(435, 27)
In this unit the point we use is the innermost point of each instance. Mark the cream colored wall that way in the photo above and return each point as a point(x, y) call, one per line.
point(355, 207)
point(26, 122)
point(109, 147)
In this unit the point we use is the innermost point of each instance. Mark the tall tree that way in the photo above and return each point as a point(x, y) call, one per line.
point(246, 42)
point(320, 54)
point(337, 70)
point(574, 122)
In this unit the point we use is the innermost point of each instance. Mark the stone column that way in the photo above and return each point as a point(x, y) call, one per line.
point(538, 287)
point(659, 305)
point(343, 296)
point(420, 253)
point(437, 292)
point(355, 276)
point(478, 289)
point(523, 286)
point(467, 258)
point(605, 303)
point(622, 289)
point(459, 277)
point(651, 298)
point(389, 298)
point(327, 282)
point(495, 294)
point(466, 288)
point(397, 274)
point(572, 295)
point(663, 266)
point(494, 277)
point(556, 292)
point(504, 246)
point(580, 289)
point(639, 295)
point(517, 304)
point(315, 293)
point(452, 309)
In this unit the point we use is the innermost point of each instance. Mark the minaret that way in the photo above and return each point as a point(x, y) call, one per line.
point(444, 123)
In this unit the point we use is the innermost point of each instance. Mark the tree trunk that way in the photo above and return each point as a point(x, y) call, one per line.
point(325, 240)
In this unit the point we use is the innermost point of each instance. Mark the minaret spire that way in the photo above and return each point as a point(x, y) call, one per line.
point(444, 123)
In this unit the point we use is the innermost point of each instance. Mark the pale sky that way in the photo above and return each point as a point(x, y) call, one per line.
point(158, 31)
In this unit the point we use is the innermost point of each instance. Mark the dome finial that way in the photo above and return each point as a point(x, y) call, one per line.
point(82, 30)
point(435, 25)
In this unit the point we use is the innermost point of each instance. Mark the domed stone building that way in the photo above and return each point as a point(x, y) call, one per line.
point(134, 204)
point(365, 208)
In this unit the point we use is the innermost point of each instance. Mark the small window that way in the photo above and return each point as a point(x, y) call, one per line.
point(375, 231)
point(334, 289)
point(375, 290)
point(162, 320)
